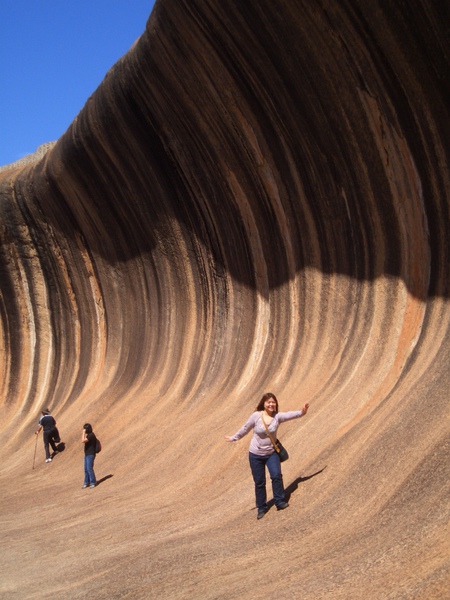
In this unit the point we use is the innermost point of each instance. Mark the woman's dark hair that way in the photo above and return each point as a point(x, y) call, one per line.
point(87, 427)
point(267, 397)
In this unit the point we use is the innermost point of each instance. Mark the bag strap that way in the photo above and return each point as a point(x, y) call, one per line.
point(275, 445)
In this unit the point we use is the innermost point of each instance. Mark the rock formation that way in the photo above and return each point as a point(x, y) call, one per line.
point(254, 199)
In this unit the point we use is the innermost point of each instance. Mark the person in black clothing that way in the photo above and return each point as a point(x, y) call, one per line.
point(90, 441)
point(51, 434)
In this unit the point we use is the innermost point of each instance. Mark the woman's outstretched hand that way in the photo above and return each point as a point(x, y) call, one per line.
point(228, 438)
point(305, 409)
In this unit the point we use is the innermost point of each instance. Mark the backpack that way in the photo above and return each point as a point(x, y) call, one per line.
point(98, 446)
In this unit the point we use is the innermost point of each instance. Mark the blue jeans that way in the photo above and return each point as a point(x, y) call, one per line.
point(89, 475)
point(258, 466)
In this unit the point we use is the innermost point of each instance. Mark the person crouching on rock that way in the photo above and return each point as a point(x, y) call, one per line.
point(90, 441)
point(262, 454)
point(51, 434)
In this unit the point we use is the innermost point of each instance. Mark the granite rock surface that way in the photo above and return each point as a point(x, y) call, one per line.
point(256, 198)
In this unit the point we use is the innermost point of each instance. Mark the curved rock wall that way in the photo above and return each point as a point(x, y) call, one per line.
point(254, 199)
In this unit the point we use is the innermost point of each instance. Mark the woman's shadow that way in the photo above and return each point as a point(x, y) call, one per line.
point(292, 487)
point(99, 481)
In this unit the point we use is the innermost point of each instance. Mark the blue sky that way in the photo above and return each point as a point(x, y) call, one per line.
point(53, 56)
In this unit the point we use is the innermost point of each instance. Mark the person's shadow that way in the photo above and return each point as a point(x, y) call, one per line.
point(60, 447)
point(292, 487)
point(99, 481)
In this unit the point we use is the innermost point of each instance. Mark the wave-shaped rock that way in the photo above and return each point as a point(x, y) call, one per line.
point(255, 198)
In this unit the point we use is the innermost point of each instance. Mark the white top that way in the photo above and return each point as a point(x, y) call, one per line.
point(260, 443)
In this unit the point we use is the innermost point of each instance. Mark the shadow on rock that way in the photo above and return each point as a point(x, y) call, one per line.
point(59, 448)
point(99, 481)
point(292, 487)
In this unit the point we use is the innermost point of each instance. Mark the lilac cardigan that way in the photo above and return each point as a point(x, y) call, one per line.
point(260, 443)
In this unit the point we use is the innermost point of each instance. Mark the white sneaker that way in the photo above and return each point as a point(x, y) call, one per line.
point(48, 460)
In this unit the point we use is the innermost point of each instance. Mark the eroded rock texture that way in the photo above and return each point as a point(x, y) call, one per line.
point(254, 199)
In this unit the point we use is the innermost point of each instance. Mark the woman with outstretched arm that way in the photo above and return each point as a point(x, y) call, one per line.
point(262, 453)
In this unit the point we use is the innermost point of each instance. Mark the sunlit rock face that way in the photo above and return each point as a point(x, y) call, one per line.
point(254, 199)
